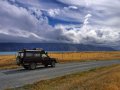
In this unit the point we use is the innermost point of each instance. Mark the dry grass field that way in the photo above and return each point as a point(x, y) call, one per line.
point(106, 78)
point(8, 61)
point(85, 56)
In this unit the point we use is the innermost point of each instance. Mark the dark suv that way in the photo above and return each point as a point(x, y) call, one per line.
point(29, 59)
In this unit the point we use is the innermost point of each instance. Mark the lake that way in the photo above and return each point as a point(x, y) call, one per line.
point(7, 53)
point(13, 52)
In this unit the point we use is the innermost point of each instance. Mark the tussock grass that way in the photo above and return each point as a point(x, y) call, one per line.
point(85, 56)
point(8, 61)
point(105, 78)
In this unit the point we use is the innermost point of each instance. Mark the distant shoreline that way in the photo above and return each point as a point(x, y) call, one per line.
point(14, 52)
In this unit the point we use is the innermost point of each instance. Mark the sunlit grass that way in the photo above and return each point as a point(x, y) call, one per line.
point(86, 56)
point(7, 61)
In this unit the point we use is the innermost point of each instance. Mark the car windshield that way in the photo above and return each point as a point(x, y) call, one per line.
point(44, 55)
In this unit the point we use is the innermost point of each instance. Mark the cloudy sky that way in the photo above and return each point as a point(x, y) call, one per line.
point(65, 21)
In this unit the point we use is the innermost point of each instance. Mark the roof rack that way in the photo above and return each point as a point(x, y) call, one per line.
point(37, 48)
point(34, 49)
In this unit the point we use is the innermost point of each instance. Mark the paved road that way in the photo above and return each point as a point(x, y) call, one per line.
point(19, 77)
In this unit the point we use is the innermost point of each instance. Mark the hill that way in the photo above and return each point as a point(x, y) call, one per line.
point(53, 47)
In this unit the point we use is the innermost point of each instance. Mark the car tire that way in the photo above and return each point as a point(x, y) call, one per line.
point(46, 65)
point(32, 66)
point(53, 64)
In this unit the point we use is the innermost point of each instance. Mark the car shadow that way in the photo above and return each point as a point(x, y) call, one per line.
point(22, 70)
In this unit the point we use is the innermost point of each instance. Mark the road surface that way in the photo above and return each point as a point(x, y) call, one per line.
point(20, 77)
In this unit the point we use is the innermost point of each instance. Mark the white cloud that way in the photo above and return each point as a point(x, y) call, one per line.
point(86, 19)
point(73, 2)
point(73, 7)
point(69, 13)
point(88, 34)
point(19, 22)
point(101, 22)
point(104, 12)
point(91, 35)
point(53, 12)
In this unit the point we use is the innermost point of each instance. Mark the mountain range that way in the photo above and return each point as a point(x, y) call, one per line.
point(53, 47)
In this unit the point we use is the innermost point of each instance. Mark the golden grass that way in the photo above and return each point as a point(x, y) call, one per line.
point(107, 78)
point(8, 61)
point(86, 56)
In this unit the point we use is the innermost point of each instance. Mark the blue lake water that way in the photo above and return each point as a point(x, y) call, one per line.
point(7, 53)
point(13, 53)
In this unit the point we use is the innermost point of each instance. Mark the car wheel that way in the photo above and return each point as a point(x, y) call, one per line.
point(46, 65)
point(53, 64)
point(33, 66)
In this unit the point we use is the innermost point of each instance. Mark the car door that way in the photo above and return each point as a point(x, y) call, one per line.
point(29, 57)
point(37, 57)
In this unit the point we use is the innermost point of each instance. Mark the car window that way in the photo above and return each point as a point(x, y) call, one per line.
point(37, 54)
point(29, 54)
point(44, 55)
point(21, 54)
